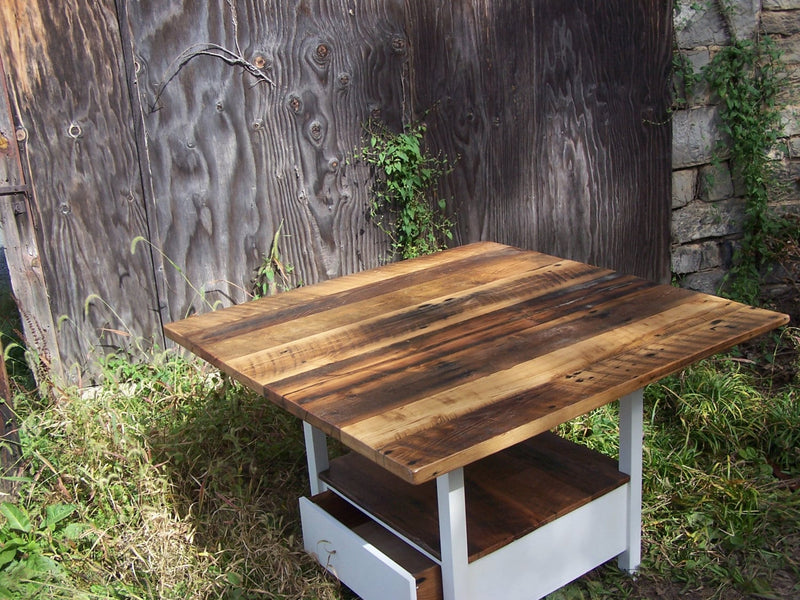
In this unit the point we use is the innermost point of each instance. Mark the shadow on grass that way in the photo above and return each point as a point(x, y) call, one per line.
point(237, 463)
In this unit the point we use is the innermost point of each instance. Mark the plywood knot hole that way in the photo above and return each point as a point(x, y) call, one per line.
point(315, 130)
point(296, 104)
point(323, 53)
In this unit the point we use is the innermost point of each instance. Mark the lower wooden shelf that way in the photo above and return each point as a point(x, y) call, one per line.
point(508, 494)
point(538, 515)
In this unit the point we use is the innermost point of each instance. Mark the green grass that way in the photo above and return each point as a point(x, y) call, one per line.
point(172, 481)
point(721, 510)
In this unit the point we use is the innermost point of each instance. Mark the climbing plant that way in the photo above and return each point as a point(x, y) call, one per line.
point(405, 204)
point(746, 77)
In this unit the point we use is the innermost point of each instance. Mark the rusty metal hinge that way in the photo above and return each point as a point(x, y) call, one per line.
point(8, 190)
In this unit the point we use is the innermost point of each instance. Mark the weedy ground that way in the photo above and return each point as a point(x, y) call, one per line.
point(171, 481)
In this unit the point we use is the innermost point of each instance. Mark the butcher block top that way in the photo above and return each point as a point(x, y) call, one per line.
point(431, 364)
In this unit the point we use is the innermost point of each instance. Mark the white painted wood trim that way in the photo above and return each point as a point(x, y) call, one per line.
point(631, 433)
point(555, 554)
point(316, 457)
point(355, 562)
point(453, 535)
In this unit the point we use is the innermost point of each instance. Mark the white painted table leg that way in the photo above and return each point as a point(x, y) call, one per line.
point(630, 462)
point(453, 534)
point(316, 456)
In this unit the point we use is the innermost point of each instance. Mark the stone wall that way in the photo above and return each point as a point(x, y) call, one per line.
point(708, 206)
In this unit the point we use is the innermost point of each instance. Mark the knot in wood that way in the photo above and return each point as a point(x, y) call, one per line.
point(344, 79)
point(315, 129)
point(74, 131)
point(323, 52)
point(259, 62)
point(295, 104)
point(398, 45)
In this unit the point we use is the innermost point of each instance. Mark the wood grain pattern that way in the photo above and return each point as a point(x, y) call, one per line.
point(18, 219)
point(69, 77)
point(432, 364)
point(508, 494)
point(557, 112)
point(234, 157)
point(602, 151)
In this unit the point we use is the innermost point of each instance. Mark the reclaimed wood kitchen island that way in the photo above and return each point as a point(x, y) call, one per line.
point(444, 375)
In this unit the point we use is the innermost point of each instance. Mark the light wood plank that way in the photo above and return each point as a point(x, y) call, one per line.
point(432, 364)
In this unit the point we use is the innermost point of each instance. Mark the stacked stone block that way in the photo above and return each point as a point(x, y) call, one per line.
point(707, 204)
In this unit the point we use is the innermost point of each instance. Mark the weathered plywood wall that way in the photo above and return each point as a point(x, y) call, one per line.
point(237, 149)
point(203, 126)
point(67, 73)
point(558, 112)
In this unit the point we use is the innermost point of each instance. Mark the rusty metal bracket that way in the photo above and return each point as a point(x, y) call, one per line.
point(8, 190)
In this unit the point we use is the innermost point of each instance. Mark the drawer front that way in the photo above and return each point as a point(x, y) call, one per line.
point(355, 562)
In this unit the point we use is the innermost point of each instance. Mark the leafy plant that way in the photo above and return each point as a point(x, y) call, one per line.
point(29, 550)
point(272, 274)
point(746, 77)
point(684, 80)
point(405, 206)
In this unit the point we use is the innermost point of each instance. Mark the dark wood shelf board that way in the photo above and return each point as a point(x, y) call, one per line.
point(508, 494)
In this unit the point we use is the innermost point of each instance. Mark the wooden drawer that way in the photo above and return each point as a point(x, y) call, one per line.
point(363, 555)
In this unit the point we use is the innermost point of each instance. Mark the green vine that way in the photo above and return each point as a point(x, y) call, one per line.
point(684, 80)
point(746, 77)
point(405, 205)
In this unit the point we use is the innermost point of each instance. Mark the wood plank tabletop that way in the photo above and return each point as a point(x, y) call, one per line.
point(430, 364)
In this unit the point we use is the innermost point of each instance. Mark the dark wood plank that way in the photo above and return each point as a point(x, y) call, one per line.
point(508, 494)
point(601, 149)
point(22, 254)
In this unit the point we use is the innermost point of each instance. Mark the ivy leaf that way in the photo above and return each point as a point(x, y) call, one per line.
point(17, 518)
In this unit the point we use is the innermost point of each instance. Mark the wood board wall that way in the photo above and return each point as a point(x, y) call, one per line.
point(202, 127)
